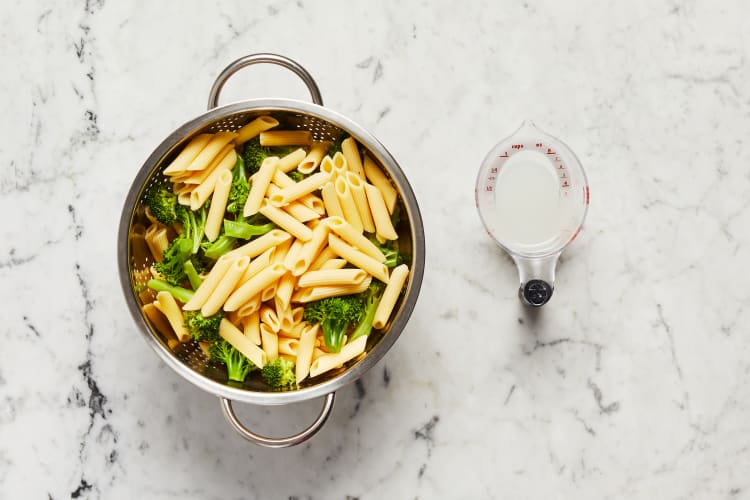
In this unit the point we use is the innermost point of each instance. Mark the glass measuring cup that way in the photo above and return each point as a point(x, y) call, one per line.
point(532, 196)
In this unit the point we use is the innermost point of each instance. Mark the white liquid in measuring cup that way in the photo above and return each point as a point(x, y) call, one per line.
point(527, 201)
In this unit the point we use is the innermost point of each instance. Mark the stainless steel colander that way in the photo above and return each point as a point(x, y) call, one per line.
point(188, 359)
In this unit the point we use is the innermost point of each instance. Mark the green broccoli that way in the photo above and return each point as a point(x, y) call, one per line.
point(172, 266)
point(296, 175)
point(253, 154)
point(336, 145)
point(238, 366)
point(192, 273)
point(335, 315)
point(179, 293)
point(245, 230)
point(193, 224)
point(279, 374)
point(217, 248)
point(390, 251)
point(370, 298)
point(163, 204)
point(203, 328)
point(239, 190)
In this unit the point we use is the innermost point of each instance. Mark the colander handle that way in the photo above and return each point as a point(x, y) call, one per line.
point(301, 437)
point(213, 97)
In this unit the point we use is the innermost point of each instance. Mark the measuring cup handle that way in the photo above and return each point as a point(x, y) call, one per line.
point(537, 278)
point(213, 96)
point(300, 437)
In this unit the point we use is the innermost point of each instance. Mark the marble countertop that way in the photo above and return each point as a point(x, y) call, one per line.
point(630, 383)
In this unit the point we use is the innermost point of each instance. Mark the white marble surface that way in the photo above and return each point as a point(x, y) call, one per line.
point(631, 383)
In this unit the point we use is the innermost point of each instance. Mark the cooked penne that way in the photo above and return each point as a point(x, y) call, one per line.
point(251, 327)
point(360, 199)
point(210, 283)
point(269, 291)
point(297, 314)
point(340, 165)
point(156, 240)
point(295, 208)
point(286, 222)
point(328, 277)
point(284, 291)
point(208, 153)
point(324, 256)
point(225, 287)
point(269, 341)
point(161, 323)
point(382, 219)
point(304, 295)
point(261, 244)
point(281, 179)
point(380, 181)
point(169, 308)
point(354, 237)
point(237, 339)
point(255, 127)
point(305, 347)
point(253, 286)
point(184, 198)
point(291, 254)
point(309, 252)
point(270, 318)
point(326, 165)
point(290, 161)
point(187, 155)
point(226, 158)
point(288, 346)
point(215, 217)
point(358, 259)
point(313, 158)
point(250, 307)
point(258, 264)
point(286, 138)
point(351, 153)
point(260, 182)
point(330, 361)
point(332, 263)
point(348, 205)
point(286, 322)
point(200, 193)
point(299, 189)
point(390, 295)
point(330, 200)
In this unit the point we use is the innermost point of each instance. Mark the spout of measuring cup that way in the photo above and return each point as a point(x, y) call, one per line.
point(537, 276)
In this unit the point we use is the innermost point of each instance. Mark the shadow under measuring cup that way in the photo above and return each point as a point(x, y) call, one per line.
point(532, 196)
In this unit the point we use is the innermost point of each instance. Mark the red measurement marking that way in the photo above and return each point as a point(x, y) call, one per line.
point(561, 166)
point(504, 155)
point(493, 170)
point(539, 144)
point(491, 178)
point(586, 194)
point(563, 176)
point(517, 146)
point(550, 152)
point(488, 188)
point(557, 158)
point(576, 233)
point(565, 184)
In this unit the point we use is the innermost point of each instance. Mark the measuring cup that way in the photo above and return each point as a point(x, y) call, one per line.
point(532, 196)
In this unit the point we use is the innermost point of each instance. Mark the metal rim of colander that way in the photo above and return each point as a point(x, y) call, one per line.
point(412, 211)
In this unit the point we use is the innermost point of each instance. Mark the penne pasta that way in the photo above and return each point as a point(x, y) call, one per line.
point(200, 194)
point(269, 341)
point(314, 157)
point(354, 237)
point(351, 152)
point(161, 324)
point(268, 292)
point(286, 138)
point(295, 208)
point(250, 307)
point(225, 287)
point(358, 259)
point(309, 252)
point(259, 263)
point(330, 200)
point(330, 361)
point(326, 165)
point(208, 153)
point(291, 254)
point(324, 256)
point(286, 222)
point(284, 291)
point(380, 181)
point(167, 305)
point(390, 295)
point(255, 127)
point(261, 244)
point(187, 155)
point(332, 263)
point(299, 189)
point(260, 182)
point(231, 334)
point(215, 217)
point(360, 200)
point(288, 346)
point(208, 285)
point(156, 240)
point(383, 226)
point(291, 161)
point(348, 205)
point(297, 314)
point(340, 165)
point(251, 327)
point(304, 295)
point(269, 317)
point(326, 277)
point(226, 158)
point(305, 347)
point(253, 286)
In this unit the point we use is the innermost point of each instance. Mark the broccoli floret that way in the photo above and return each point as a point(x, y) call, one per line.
point(279, 374)
point(245, 230)
point(192, 273)
point(239, 190)
point(296, 175)
point(335, 315)
point(193, 224)
point(371, 298)
point(172, 266)
point(163, 204)
point(390, 250)
point(238, 366)
point(336, 145)
point(217, 248)
point(253, 154)
point(179, 293)
point(203, 328)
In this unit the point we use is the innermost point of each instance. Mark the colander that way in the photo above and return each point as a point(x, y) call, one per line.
point(187, 359)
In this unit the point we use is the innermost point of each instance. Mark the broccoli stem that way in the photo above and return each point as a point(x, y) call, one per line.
point(192, 274)
point(179, 293)
point(219, 247)
point(365, 326)
point(244, 230)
